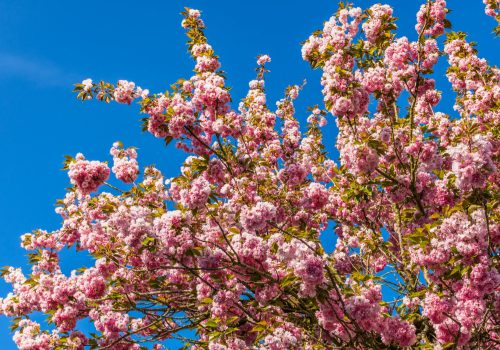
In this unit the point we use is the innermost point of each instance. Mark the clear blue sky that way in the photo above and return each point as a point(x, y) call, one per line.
point(46, 46)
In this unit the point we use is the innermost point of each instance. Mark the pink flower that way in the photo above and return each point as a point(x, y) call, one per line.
point(197, 195)
point(124, 92)
point(92, 284)
point(435, 308)
point(207, 64)
point(87, 175)
point(255, 218)
point(399, 332)
point(263, 59)
point(311, 270)
point(87, 85)
point(194, 13)
point(432, 16)
point(380, 16)
point(316, 196)
point(125, 167)
point(492, 7)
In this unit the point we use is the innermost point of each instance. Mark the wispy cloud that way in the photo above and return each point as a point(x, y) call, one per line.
point(38, 71)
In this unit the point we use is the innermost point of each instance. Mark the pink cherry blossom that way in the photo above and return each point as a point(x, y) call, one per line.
point(87, 175)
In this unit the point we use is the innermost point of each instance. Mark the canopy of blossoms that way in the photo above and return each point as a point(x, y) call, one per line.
point(230, 248)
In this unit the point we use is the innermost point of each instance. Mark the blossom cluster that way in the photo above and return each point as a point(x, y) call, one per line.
point(125, 165)
point(86, 175)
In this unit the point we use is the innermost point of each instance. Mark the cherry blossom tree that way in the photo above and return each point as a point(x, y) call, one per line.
point(230, 248)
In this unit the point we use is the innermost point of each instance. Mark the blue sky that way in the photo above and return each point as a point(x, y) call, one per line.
point(46, 46)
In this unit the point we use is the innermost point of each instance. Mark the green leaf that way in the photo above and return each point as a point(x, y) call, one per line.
point(207, 300)
point(288, 280)
point(212, 323)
